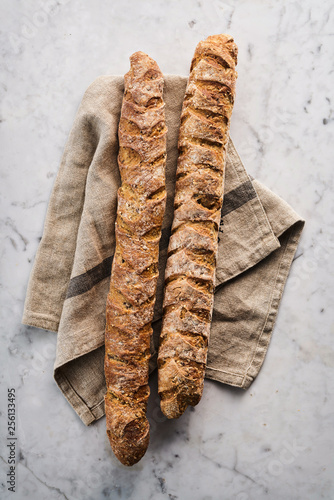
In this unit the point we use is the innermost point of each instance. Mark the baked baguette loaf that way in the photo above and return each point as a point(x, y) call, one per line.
point(130, 302)
point(192, 251)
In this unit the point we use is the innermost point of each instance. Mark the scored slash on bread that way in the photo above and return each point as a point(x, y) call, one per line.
point(193, 246)
point(131, 298)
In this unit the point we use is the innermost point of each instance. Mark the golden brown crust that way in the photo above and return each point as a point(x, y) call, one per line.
point(192, 251)
point(130, 302)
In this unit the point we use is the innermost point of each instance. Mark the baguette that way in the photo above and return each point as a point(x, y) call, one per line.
point(131, 298)
point(193, 246)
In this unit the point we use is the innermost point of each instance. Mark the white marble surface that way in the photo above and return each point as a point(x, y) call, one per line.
point(274, 441)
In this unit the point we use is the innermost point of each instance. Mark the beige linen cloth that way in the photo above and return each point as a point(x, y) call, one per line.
point(69, 282)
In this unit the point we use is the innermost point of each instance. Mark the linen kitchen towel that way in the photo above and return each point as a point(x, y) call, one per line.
point(69, 283)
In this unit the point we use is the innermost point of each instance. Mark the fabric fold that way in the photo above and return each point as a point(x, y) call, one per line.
point(69, 283)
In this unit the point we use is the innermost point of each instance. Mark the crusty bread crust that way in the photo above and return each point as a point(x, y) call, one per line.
point(130, 302)
point(192, 251)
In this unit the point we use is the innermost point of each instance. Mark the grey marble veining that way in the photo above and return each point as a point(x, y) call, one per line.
point(276, 439)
